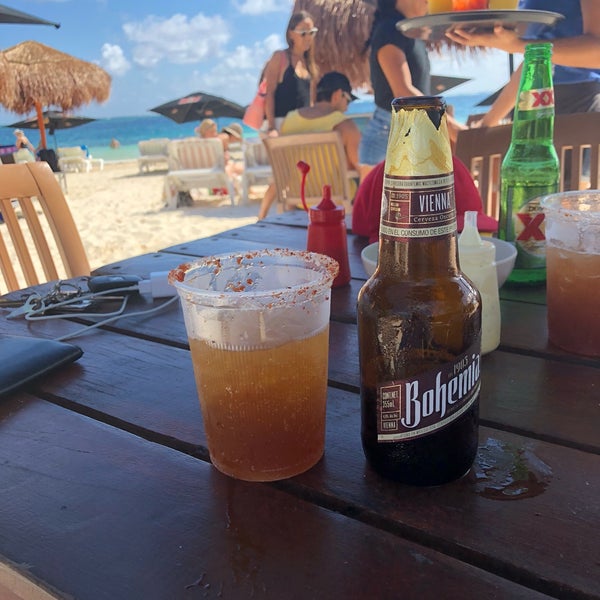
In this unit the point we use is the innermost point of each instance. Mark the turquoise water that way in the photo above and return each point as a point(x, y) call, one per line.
point(97, 135)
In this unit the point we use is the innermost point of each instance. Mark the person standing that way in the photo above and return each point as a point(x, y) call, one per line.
point(399, 67)
point(575, 55)
point(291, 73)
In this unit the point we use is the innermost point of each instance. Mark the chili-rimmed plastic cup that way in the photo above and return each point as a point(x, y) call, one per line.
point(258, 328)
point(572, 223)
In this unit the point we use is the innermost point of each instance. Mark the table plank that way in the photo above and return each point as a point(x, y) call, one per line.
point(98, 513)
point(548, 400)
point(165, 410)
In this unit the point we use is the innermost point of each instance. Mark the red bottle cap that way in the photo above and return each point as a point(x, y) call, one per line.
point(326, 211)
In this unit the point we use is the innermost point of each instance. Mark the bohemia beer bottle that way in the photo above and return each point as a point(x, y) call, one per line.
point(530, 168)
point(419, 318)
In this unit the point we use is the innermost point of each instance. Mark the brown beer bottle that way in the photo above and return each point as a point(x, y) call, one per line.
point(419, 317)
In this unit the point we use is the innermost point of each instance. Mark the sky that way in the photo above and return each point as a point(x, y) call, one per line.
point(157, 51)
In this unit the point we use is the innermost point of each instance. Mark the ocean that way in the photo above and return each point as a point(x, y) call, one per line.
point(98, 134)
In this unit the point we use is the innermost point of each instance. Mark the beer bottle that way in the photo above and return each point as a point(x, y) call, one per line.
point(419, 317)
point(530, 168)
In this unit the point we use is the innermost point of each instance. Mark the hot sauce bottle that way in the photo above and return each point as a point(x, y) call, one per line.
point(419, 317)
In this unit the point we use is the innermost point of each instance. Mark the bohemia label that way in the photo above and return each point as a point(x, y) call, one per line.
point(418, 206)
point(416, 407)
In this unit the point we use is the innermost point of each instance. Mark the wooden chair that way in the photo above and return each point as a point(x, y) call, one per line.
point(38, 228)
point(324, 153)
point(196, 163)
point(576, 137)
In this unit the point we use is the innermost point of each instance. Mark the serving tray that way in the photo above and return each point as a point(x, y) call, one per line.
point(434, 27)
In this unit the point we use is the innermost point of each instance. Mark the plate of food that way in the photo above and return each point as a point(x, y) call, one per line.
point(433, 28)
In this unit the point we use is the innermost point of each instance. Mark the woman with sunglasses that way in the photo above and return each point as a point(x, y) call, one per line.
point(291, 73)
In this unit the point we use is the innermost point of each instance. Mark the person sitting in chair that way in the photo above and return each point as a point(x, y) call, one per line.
point(22, 142)
point(334, 94)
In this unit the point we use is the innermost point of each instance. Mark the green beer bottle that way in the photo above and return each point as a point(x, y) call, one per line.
point(530, 168)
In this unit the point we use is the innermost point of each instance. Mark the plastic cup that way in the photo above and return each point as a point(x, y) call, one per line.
point(572, 221)
point(439, 6)
point(258, 328)
point(503, 4)
point(459, 5)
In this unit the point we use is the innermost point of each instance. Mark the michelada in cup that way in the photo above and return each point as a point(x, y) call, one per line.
point(258, 328)
point(572, 229)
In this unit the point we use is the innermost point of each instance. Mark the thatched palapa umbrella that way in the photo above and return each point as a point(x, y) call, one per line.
point(37, 76)
point(344, 26)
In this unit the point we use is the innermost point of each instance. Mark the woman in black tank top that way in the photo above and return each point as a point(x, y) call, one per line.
point(291, 74)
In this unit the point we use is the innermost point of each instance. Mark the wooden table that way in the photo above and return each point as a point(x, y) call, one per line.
point(107, 491)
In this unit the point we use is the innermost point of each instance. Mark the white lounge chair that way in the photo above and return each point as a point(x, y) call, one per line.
point(75, 158)
point(257, 168)
point(153, 152)
point(195, 163)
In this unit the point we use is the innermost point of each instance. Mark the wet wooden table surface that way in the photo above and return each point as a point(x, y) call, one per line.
point(107, 490)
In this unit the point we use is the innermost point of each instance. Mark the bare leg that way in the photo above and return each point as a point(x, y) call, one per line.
point(363, 171)
point(267, 200)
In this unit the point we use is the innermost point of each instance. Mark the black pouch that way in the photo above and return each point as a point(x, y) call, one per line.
point(23, 359)
point(48, 155)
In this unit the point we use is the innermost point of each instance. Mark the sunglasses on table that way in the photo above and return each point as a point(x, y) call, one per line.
point(305, 32)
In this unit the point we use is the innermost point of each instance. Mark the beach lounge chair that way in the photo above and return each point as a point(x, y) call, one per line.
point(196, 163)
point(24, 155)
point(75, 158)
point(153, 152)
point(257, 168)
point(324, 153)
point(39, 240)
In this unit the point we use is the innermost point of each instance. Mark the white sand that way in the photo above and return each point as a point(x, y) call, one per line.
point(120, 213)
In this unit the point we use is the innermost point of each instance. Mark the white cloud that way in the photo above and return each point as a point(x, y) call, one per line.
point(259, 7)
point(177, 40)
point(113, 60)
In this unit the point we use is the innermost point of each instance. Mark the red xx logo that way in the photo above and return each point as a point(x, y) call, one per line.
point(543, 98)
point(532, 227)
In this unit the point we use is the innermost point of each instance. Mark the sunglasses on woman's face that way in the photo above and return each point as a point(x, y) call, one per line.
point(304, 32)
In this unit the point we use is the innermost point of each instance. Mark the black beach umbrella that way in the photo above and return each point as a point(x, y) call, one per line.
point(198, 106)
point(10, 15)
point(489, 100)
point(53, 120)
point(443, 83)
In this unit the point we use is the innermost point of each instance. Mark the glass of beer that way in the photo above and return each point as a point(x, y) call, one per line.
point(439, 6)
point(572, 222)
point(258, 328)
point(458, 5)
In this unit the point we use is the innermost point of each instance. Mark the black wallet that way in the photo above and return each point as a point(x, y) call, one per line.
point(22, 359)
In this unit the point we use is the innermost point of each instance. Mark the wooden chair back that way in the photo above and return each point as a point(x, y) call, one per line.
point(577, 142)
point(39, 240)
point(196, 153)
point(323, 152)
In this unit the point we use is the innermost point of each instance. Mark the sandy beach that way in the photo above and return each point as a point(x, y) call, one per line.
point(120, 213)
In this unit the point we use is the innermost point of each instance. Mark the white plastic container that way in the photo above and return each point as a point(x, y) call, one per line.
point(477, 262)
